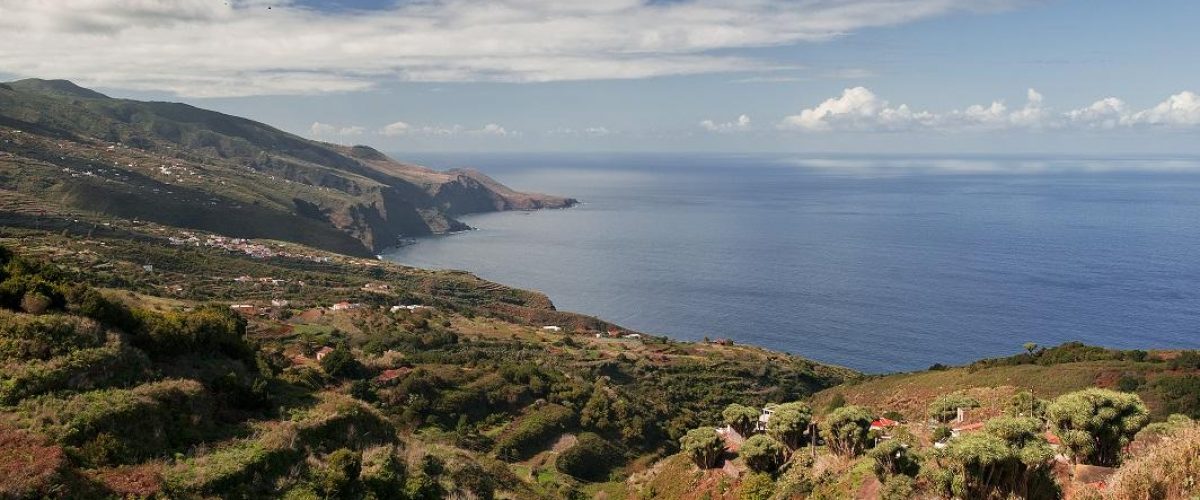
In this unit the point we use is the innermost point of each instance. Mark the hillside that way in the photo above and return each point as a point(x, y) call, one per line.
point(183, 166)
point(266, 368)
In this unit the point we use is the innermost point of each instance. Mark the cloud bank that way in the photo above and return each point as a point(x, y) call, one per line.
point(252, 47)
point(742, 123)
point(859, 109)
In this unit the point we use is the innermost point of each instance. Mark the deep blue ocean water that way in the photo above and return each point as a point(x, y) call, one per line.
point(876, 263)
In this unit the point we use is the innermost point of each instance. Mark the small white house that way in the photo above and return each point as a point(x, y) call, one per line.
point(552, 328)
point(763, 419)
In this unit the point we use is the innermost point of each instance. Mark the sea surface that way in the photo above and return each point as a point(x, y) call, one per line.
point(877, 263)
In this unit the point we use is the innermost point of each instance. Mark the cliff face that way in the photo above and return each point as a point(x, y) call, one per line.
point(189, 167)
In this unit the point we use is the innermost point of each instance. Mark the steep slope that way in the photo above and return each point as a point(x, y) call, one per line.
point(184, 166)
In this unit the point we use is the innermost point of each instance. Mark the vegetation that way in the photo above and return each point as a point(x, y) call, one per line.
point(845, 430)
point(762, 453)
point(789, 423)
point(945, 408)
point(740, 418)
point(591, 458)
point(1095, 424)
point(1169, 470)
point(1009, 458)
point(703, 445)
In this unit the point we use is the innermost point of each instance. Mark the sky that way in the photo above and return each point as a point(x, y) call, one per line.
point(1088, 77)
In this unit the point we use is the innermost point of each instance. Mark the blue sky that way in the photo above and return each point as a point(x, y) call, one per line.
point(871, 76)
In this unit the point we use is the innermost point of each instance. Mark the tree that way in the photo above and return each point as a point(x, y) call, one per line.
point(893, 457)
point(945, 407)
point(703, 445)
point(1008, 459)
point(740, 418)
point(339, 362)
point(845, 430)
point(1095, 424)
point(1025, 404)
point(762, 453)
point(788, 423)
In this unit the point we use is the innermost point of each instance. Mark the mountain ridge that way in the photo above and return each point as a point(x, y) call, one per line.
point(133, 159)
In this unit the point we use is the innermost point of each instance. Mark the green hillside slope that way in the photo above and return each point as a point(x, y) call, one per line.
point(187, 167)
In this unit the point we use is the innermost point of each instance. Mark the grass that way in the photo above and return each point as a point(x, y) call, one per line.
point(910, 393)
point(1170, 470)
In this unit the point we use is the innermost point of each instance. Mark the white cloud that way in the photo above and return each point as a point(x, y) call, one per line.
point(401, 128)
point(319, 129)
point(240, 47)
point(1181, 109)
point(742, 123)
point(859, 109)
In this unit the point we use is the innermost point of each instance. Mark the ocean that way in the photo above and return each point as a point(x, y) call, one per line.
point(879, 263)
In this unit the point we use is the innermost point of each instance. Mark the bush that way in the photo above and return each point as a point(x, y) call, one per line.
point(1186, 360)
point(590, 459)
point(893, 457)
point(339, 477)
point(1025, 404)
point(1095, 424)
point(527, 435)
point(845, 430)
point(897, 488)
point(1169, 470)
point(945, 408)
point(789, 422)
point(762, 453)
point(24, 337)
point(1008, 459)
point(340, 362)
point(703, 446)
point(942, 433)
point(1180, 394)
point(757, 486)
point(740, 418)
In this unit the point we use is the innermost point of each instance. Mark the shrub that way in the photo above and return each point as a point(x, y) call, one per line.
point(789, 422)
point(1169, 470)
point(340, 362)
point(35, 302)
point(1180, 394)
point(25, 337)
point(1186, 360)
point(703, 446)
point(893, 457)
point(740, 418)
point(762, 453)
point(945, 407)
point(845, 430)
point(1008, 459)
point(1025, 404)
point(590, 459)
point(897, 488)
point(1095, 424)
point(339, 477)
point(942, 433)
point(529, 433)
point(382, 471)
point(757, 486)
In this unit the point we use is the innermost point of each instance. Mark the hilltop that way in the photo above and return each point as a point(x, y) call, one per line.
point(184, 166)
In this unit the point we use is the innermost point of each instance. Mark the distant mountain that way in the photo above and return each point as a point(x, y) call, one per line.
point(184, 166)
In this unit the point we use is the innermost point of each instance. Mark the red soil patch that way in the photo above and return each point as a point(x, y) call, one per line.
point(139, 481)
point(28, 466)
